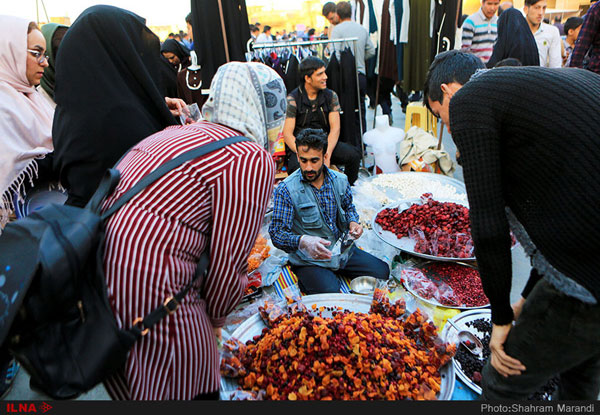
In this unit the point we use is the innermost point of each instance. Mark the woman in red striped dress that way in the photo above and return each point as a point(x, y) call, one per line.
point(154, 242)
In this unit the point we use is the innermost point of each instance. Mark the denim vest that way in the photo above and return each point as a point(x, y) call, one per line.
point(309, 218)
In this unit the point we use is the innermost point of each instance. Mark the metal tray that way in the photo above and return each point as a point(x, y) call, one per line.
point(434, 302)
point(448, 334)
point(406, 244)
point(352, 302)
point(430, 176)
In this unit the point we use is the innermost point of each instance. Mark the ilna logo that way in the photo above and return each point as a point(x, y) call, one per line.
point(26, 408)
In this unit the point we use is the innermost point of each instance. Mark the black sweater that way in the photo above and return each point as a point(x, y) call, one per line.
point(529, 140)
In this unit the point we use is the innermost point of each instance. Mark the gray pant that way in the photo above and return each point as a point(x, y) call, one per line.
point(555, 334)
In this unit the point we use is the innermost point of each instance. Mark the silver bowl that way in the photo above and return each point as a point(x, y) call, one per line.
point(363, 285)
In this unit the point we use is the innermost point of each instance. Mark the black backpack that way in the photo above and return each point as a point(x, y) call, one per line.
point(55, 317)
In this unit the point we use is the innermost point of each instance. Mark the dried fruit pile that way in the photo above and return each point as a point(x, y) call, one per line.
point(439, 228)
point(385, 354)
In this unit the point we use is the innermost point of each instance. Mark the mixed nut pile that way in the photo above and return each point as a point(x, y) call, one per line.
point(387, 353)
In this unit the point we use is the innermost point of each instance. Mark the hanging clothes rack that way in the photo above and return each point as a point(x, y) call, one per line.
point(273, 45)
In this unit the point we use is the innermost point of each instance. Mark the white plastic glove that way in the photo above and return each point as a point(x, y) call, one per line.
point(315, 247)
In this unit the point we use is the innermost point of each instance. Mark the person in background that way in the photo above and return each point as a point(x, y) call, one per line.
point(176, 53)
point(480, 30)
point(265, 36)
point(25, 131)
point(559, 25)
point(572, 29)
point(330, 13)
point(313, 105)
point(257, 24)
point(346, 28)
point(171, 36)
point(53, 33)
point(499, 120)
point(515, 40)
point(503, 6)
point(217, 202)
point(546, 35)
point(586, 53)
point(187, 41)
point(94, 126)
point(254, 32)
point(188, 22)
point(312, 209)
point(311, 34)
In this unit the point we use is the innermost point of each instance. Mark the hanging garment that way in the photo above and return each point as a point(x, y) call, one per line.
point(333, 72)
point(292, 76)
point(418, 49)
point(208, 34)
point(445, 21)
point(104, 108)
point(350, 124)
point(388, 65)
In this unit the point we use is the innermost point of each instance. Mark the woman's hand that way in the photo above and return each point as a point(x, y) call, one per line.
point(175, 105)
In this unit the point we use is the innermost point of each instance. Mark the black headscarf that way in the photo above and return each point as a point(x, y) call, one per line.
point(107, 93)
point(515, 40)
point(179, 50)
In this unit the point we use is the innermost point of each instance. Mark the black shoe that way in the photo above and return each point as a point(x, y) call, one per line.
point(7, 377)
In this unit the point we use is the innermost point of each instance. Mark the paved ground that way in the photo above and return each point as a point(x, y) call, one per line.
point(521, 267)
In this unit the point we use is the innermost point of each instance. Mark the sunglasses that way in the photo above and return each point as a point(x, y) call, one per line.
point(41, 57)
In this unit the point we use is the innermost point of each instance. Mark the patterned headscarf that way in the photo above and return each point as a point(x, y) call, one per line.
point(250, 98)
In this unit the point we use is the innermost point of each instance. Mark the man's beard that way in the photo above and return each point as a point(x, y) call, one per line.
point(314, 176)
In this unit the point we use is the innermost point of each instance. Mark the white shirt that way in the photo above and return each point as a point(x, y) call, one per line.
point(264, 38)
point(548, 42)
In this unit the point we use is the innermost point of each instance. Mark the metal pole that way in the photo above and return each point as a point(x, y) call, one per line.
point(362, 144)
point(225, 43)
point(37, 11)
point(272, 45)
point(45, 12)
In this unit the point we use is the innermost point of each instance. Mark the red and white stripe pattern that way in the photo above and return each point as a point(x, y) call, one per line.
point(154, 242)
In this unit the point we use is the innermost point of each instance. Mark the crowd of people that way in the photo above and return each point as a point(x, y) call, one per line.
point(502, 96)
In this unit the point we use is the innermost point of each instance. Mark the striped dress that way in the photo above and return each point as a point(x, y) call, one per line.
point(153, 245)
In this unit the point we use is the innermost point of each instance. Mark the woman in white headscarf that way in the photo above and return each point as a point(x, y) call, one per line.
point(25, 116)
point(154, 242)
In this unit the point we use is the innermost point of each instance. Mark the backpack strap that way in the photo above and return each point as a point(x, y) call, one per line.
point(167, 167)
point(141, 326)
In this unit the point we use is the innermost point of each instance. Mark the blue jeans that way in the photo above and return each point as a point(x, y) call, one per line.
point(317, 280)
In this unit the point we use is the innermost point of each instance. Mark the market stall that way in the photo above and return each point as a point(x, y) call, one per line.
point(433, 278)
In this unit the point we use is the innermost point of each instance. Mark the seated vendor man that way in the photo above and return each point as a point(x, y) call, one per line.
point(313, 105)
point(312, 209)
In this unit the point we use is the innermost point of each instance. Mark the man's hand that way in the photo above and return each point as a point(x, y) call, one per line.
point(517, 307)
point(315, 247)
point(356, 230)
point(175, 105)
point(503, 363)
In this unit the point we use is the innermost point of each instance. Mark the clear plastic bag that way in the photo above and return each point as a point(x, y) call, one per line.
point(231, 365)
point(243, 395)
point(272, 310)
point(370, 242)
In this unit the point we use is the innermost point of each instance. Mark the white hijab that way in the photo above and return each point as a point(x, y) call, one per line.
point(25, 116)
point(250, 98)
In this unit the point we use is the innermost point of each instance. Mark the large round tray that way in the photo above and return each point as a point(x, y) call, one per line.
point(434, 302)
point(406, 244)
point(460, 186)
point(352, 302)
point(448, 334)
